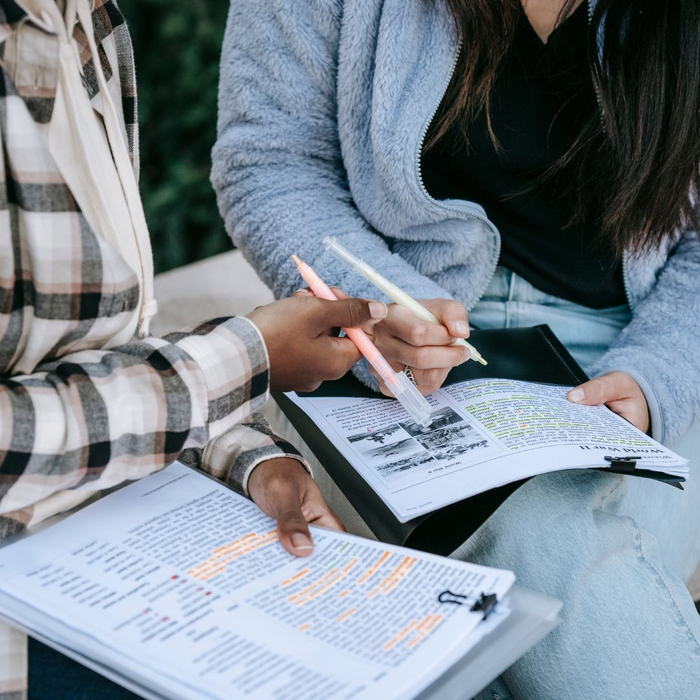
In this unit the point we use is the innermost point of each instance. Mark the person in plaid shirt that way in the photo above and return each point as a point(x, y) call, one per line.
point(88, 399)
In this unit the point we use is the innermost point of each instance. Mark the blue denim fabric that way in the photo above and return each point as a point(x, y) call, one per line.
point(511, 302)
point(616, 550)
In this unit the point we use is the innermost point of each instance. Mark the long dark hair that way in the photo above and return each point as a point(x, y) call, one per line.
point(637, 162)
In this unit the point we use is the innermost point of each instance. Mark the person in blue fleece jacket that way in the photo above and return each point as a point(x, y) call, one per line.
point(528, 162)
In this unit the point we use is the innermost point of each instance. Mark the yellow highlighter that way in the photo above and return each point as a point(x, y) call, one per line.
point(396, 294)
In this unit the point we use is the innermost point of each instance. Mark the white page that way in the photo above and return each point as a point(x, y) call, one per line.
point(185, 579)
point(485, 433)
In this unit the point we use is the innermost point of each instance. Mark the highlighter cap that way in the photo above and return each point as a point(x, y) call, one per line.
point(411, 399)
point(338, 250)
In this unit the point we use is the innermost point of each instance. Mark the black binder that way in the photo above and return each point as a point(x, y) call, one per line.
point(526, 354)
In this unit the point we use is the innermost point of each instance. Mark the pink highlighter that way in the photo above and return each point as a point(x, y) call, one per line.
point(399, 384)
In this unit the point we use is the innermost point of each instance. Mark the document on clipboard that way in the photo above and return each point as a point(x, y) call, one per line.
point(181, 585)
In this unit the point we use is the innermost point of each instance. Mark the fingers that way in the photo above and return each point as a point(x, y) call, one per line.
point(349, 313)
point(425, 357)
point(401, 323)
point(316, 509)
point(620, 393)
point(341, 356)
point(278, 486)
point(430, 380)
point(330, 521)
point(332, 360)
point(306, 292)
point(283, 489)
point(427, 381)
point(606, 389)
point(339, 292)
point(451, 314)
point(285, 508)
point(430, 365)
point(293, 531)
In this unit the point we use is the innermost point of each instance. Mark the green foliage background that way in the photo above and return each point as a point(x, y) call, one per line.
point(177, 45)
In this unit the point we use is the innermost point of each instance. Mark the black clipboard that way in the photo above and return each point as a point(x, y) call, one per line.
point(526, 354)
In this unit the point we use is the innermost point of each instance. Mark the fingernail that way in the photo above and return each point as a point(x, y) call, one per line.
point(378, 310)
point(301, 291)
point(467, 354)
point(301, 542)
point(577, 395)
point(461, 327)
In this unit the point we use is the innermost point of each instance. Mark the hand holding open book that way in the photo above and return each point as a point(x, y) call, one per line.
point(484, 433)
point(620, 393)
point(487, 430)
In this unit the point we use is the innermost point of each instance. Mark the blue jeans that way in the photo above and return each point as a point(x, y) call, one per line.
point(617, 550)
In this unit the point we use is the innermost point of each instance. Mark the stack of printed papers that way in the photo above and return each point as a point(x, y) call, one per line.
point(178, 587)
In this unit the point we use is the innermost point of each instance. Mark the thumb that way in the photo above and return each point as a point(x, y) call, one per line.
point(292, 528)
point(352, 313)
point(597, 391)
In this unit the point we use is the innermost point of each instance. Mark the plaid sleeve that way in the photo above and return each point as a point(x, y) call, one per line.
point(99, 417)
point(233, 456)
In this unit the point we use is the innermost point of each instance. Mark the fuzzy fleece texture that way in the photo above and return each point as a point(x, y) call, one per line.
point(323, 108)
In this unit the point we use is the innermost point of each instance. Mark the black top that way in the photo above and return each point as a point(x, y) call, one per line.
point(542, 97)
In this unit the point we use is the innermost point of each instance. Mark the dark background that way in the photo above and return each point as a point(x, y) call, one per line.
point(177, 45)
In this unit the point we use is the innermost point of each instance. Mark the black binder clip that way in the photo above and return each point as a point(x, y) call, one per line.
point(485, 604)
point(454, 598)
point(623, 464)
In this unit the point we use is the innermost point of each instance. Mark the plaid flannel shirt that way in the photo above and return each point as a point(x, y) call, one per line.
point(76, 418)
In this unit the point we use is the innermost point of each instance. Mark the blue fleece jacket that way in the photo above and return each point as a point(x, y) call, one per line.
point(323, 109)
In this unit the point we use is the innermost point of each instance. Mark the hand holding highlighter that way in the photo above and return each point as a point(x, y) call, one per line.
point(396, 294)
point(300, 336)
point(400, 385)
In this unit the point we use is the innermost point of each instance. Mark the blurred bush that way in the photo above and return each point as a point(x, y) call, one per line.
point(177, 45)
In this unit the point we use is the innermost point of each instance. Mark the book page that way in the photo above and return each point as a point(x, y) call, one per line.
point(523, 415)
point(181, 576)
point(484, 433)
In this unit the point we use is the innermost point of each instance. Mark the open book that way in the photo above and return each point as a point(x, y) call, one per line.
point(485, 433)
point(177, 587)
